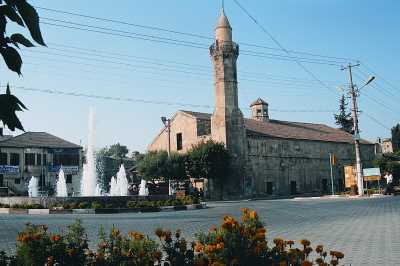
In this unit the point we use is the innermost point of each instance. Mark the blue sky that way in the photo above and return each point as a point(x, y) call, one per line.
point(359, 29)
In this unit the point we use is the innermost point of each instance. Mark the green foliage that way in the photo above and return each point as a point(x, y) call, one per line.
point(9, 104)
point(23, 14)
point(153, 165)
point(115, 151)
point(343, 118)
point(389, 163)
point(83, 205)
point(396, 138)
point(96, 205)
point(208, 160)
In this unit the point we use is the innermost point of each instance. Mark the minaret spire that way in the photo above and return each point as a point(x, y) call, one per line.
point(223, 4)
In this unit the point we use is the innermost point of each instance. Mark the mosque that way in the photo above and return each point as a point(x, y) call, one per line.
point(270, 157)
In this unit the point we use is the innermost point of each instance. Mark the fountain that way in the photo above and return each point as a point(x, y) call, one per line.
point(33, 187)
point(114, 191)
point(143, 190)
point(99, 191)
point(122, 181)
point(89, 178)
point(61, 186)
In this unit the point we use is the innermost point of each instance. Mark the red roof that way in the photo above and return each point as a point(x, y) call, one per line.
point(297, 130)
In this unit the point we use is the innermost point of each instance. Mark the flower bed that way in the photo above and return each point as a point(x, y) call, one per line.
point(233, 243)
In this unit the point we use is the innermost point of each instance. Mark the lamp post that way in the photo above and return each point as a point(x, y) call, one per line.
point(167, 124)
point(354, 93)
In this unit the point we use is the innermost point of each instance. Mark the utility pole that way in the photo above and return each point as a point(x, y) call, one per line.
point(356, 135)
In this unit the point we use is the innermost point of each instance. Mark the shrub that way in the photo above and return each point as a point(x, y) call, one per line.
point(83, 205)
point(109, 206)
point(131, 204)
point(96, 205)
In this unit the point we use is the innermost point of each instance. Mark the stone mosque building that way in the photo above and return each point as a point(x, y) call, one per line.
point(271, 157)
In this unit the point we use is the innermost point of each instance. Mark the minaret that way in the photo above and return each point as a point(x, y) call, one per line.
point(227, 123)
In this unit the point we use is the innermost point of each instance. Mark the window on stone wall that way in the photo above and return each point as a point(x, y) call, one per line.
point(69, 179)
point(17, 181)
point(29, 159)
point(269, 188)
point(14, 159)
point(258, 112)
point(179, 141)
point(39, 159)
point(44, 159)
point(3, 158)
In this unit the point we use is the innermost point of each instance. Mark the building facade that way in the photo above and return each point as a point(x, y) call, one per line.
point(41, 155)
point(270, 157)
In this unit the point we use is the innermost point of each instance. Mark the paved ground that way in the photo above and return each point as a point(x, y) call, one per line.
point(366, 230)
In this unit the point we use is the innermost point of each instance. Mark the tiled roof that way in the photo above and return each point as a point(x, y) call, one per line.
point(38, 140)
point(297, 130)
point(291, 130)
point(197, 114)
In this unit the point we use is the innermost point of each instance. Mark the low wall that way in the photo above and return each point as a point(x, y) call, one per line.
point(52, 201)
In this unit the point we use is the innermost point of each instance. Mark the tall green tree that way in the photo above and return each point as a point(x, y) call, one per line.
point(396, 138)
point(116, 151)
point(25, 15)
point(159, 165)
point(343, 119)
point(153, 165)
point(209, 160)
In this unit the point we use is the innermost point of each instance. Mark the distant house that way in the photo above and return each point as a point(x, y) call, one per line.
point(38, 154)
point(384, 146)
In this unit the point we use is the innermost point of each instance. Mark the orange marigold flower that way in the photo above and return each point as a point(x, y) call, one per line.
point(157, 255)
point(305, 242)
point(115, 232)
point(319, 249)
point(306, 263)
point(290, 243)
point(159, 232)
point(198, 247)
point(55, 238)
point(282, 263)
point(50, 260)
point(220, 246)
point(253, 214)
point(334, 262)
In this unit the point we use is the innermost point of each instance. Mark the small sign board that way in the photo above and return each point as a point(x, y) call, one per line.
point(372, 174)
point(9, 169)
point(350, 176)
point(180, 194)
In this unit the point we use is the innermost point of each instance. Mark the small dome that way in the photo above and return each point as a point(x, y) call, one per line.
point(223, 21)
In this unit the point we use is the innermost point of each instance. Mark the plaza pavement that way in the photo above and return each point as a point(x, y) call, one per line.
point(366, 230)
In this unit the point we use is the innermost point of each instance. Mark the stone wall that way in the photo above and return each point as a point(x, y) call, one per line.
point(279, 162)
point(184, 124)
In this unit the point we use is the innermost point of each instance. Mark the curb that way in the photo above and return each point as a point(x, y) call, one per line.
point(102, 211)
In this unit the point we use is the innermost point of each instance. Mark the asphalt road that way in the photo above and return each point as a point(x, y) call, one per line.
point(366, 230)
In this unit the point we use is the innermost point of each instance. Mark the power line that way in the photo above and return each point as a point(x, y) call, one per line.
point(280, 45)
point(145, 101)
point(283, 48)
point(177, 42)
point(138, 68)
point(182, 33)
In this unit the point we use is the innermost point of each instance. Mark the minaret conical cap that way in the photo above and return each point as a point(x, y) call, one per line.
point(223, 21)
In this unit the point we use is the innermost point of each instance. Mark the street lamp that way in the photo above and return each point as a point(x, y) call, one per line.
point(167, 124)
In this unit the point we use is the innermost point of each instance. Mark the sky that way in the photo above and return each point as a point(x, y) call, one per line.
point(170, 70)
